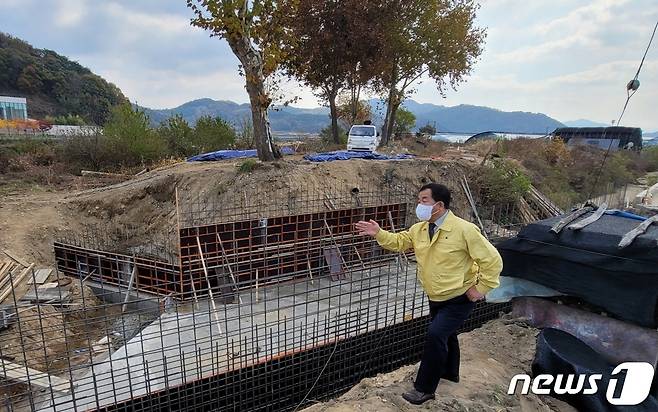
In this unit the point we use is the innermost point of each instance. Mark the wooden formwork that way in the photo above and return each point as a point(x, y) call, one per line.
point(287, 246)
point(116, 269)
point(243, 254)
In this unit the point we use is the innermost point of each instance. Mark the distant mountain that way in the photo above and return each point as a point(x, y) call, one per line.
point(584, 123)
point(462, 118)
point(475, 119)
point(286, 119)
point(53, 84)
point(652, 135)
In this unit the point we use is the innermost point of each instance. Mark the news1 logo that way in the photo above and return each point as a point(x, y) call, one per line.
point(636, 386)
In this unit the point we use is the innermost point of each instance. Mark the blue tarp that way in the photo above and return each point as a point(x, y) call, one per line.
point(232, 154)
point(346, 155)
point(621, 213)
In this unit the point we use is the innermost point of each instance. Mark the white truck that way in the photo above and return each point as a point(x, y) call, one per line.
point(363, 137)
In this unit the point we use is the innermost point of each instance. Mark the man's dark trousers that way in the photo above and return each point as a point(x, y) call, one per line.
point(441, 353)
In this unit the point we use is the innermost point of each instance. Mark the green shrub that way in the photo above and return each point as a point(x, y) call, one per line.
point(650, 158)
point(248, 166)
point(404, 121)
point(570, 174)
point(128, 132)
point(326, 136)
point(428, 129)
point(40, 152)
point(501, 183)
point(178, 135)
point(245, 133)
point(212, 133)
point(90, 152)
point(69, 120)
point(5, 159)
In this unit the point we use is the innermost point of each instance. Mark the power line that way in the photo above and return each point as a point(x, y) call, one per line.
point(631, 89)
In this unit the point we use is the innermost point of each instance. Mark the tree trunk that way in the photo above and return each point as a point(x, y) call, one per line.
point(393, 111)
point(252, 63)
point(263, 140)
point(334, 117)
point(356, 94)
point(389, 119)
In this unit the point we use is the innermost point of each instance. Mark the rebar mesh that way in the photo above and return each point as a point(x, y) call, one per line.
point(256, 308)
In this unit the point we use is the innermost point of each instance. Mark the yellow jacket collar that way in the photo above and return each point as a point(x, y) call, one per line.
point(447, 225)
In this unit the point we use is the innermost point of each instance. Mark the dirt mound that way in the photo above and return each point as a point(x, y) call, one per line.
point(491, 355)
point(211, 192)
point(143, 210)
point(153, 194)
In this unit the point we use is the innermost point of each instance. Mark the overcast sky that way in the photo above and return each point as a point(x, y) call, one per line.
point(569, 59)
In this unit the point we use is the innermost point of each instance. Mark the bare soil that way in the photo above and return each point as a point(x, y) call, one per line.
point(491, 355)
point(31, 219)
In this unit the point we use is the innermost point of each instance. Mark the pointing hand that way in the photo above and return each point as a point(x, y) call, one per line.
point(370, 228)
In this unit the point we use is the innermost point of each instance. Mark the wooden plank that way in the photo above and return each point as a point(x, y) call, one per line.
point(4, 271)
point(212, 298)
point(390, 220)
point(228, 264)
point(33, 377)
point(17, 281)
point(557, 228)
point(526, 212)
point(555, 209)
point(47, 286)
point(102, 174)
point(640, 229)
point(590, 219)
point(102, 345)
point(333, 261)
point(14, 258)
point(40, 276)
point(471, 201)
point(130, 286)
point(54, 295)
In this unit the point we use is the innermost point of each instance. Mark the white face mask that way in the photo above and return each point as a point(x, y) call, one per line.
point(424, 212)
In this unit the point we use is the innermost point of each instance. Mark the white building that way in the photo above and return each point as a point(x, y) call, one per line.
point(13, 108)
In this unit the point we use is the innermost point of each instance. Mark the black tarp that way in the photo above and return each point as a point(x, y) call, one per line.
point(559, 353)
point(588, 264)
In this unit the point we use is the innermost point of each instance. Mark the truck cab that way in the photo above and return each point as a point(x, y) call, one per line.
point(363, 138)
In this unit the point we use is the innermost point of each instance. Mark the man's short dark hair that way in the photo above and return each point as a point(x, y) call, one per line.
point(440, 193)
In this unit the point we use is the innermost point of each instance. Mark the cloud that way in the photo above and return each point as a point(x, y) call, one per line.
point(14, 4)
point(154, 23)
point(564, 58)
point(600, 29)
point(173, 88)
point(69, 13)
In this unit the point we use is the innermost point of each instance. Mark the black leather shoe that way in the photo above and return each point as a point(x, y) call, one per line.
point(416, 397)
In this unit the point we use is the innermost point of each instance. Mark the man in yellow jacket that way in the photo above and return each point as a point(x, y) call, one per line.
point(457, 266)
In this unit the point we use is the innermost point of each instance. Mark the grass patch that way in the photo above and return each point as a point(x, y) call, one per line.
point(248, 166)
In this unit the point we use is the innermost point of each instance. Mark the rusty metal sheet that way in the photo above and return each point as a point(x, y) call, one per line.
point(615, 340)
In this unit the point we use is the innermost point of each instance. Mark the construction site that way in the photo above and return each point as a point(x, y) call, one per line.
point(195, 286)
